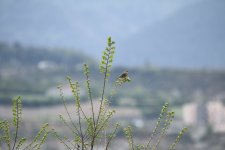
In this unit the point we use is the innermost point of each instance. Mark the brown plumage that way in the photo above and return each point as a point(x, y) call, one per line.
point(124, 74)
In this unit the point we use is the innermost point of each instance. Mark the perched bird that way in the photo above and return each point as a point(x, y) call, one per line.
point(123, 78)
point(124, 75)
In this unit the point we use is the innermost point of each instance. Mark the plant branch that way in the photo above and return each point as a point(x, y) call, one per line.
point(17, 122)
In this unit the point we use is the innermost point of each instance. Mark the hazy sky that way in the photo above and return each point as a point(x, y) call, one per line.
point(134, 24)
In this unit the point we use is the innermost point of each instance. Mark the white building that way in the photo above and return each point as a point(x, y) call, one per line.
point(199, 114)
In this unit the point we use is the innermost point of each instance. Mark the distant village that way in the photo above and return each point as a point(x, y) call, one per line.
point(206, 114)
point(199, 114)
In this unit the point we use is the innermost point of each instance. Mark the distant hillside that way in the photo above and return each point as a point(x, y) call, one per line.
point(174, 84)
point(18, 55)
point(194, 37)
point(33, 72)
point(48, 67)
point(174, 33)
point(27, 70)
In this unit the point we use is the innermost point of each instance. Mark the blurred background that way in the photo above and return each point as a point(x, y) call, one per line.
point(174, 51)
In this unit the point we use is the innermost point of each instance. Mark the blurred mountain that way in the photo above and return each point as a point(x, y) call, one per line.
point(32, 72)
point(17, 56)
point(165, 33)
point(193, 37)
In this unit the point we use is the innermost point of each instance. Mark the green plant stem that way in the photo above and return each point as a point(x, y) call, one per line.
point(103, 92)
point(90, 95)
point(111, 137)
point(101, 102)
point(104, 85)
point(132, 142)
point(81, 132)
point(67, 112)
point(163, 131)
point(68, 126)
point(17, 124)
point(62, 141)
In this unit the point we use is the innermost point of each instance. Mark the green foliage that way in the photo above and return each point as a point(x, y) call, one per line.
point(129, 136)
point(162, 125)
point(179, 136)
point(19, 73)
point(88, 131)
point(17, 111)
point(107, 58)
point(11, 140)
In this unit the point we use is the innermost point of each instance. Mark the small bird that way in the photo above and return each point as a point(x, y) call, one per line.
point(124, 75)
point(123, 78)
